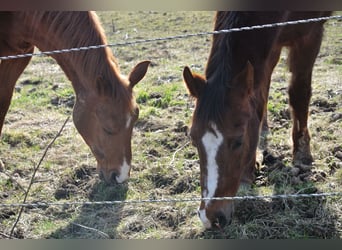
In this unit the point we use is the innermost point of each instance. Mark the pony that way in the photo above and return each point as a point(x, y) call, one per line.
point(105, 109)
point(231, 100)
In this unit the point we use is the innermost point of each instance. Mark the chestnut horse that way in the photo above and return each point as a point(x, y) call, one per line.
point(231, 100)
point(105, 109)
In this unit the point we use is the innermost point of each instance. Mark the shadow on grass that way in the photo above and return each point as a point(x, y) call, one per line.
point(95, 221)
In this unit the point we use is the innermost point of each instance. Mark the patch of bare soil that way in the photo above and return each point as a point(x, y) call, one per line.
point(79, 182)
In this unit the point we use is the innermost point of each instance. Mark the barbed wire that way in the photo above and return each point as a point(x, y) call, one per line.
point(171, 200)
point(183, 36)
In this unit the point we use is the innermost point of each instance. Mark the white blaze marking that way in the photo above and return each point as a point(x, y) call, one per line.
point(211, 143)
point(206, 222)
point(124, 173)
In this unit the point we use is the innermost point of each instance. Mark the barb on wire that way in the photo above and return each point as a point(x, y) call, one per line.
point(171, 200)
point(183, 36)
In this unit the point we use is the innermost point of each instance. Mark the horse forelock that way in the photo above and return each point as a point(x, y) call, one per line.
point(211, 106)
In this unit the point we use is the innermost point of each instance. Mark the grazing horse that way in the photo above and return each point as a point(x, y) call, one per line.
point(105, 109)
point(231, 100)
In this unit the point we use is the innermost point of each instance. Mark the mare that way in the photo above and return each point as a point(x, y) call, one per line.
point(231, 100)
point(105, 109)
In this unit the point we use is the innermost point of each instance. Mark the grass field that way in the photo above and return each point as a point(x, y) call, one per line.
point(165, 164)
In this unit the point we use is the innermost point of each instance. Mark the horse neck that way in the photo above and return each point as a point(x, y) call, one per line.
point(63, 30)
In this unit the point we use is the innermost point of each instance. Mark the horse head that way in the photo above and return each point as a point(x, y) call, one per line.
point(223, 142)
point(105, 120)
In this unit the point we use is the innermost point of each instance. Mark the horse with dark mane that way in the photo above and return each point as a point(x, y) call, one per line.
point(231, 100)
point(105, 109)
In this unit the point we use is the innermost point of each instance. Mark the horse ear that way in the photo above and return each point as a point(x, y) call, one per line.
point(194, 82)
point(245, 79)
point(138, 73)
point(103, 87)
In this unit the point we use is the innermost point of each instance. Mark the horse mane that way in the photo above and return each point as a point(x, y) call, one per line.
point(229, 55)
point(220, 58)
point(210, 108)
point(80, 29)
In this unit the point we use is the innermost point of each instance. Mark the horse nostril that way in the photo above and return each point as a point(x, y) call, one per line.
point(113, 176)
point(220, 220)
point(109, 178)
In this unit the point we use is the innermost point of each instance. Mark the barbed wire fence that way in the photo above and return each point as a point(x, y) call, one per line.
point(176, 37)
point(25, 204)
point(170, 200)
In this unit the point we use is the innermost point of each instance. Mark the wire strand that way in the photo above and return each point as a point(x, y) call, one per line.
point(183, 36)
point(171, 200)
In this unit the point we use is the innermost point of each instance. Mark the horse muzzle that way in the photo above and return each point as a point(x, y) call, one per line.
point(216, 218)
point(115, 175)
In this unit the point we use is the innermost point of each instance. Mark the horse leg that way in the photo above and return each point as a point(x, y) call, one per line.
point(270, 64)
point(10, 70)
point(301, 58)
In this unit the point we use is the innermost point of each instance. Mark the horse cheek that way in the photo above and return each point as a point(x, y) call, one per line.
point(82, 121)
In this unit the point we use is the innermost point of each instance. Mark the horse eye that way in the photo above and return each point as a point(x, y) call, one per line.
point(108, 132)
point(237, 143)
